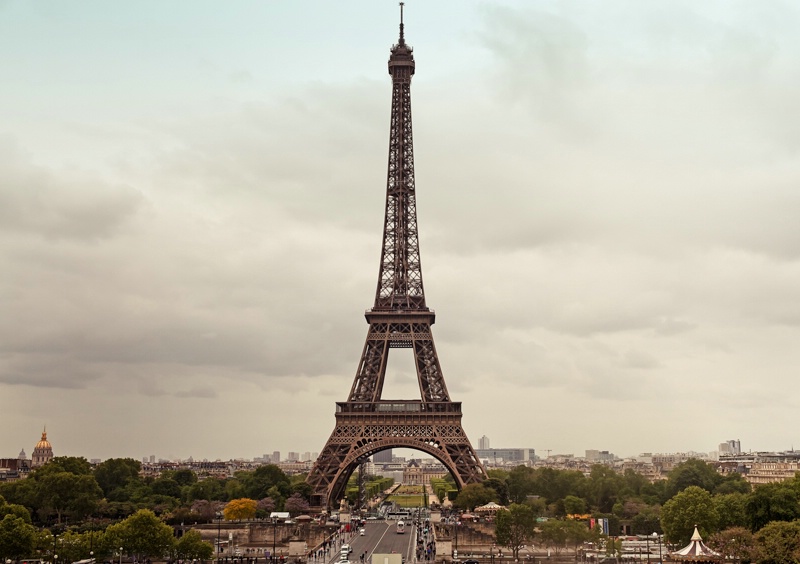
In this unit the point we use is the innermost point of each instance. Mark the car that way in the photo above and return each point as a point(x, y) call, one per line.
point(361, 531)
point(470, 562)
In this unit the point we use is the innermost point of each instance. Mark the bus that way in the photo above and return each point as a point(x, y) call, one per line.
point(401, 527)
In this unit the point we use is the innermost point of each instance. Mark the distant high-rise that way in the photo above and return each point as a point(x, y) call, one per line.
point(730, 447)
point(483, 443)
point(293, 456)
point(276, 457)
point(383, 457)
point(599, 456)
point(152, 459)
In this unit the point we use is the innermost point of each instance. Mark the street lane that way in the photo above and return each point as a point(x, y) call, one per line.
point(379, 537)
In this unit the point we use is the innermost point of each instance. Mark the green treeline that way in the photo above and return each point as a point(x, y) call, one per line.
point(742, 523)
point(373, 486)
point(72, 508)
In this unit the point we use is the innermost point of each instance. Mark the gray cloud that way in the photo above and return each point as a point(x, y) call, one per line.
point(607, 205)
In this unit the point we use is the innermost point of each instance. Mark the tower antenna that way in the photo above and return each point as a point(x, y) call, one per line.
point(402, 38)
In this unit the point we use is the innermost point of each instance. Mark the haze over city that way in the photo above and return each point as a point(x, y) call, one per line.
point(192, 197)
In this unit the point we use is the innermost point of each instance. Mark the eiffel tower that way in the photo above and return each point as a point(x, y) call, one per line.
point(366, 423)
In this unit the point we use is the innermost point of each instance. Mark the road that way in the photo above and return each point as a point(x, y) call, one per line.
point(380, 537)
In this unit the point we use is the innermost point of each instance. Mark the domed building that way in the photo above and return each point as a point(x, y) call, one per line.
point(43, 452)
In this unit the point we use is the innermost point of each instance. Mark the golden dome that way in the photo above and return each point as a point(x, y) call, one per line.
point(43, 442)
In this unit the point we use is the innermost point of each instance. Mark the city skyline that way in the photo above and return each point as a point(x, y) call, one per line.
point(730, 446)
point(192, 202)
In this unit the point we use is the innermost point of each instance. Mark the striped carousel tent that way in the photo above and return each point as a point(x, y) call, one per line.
point(696, 551)
point(490, 507)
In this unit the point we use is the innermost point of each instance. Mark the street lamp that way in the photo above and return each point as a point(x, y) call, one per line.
point(658, 540)
point(455, 540)
point(647, 544)
point(219, 530)
point(274, 537)
point(120, 555)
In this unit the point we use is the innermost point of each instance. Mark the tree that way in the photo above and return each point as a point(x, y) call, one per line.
point(167, 487)
point(693, 506)
point(65, 492)
point(735, 544)
point(234, 489)
point(731, 509)
point(296, 504)
point(242, 508)
point(573, 505)
point(646, 522)
point(520, 484)
point(265, 506)
point(654, 493)
point(191, 546)
point(733, 483)
point(116, 473)
point(210, 489)
point(77, 465)
point(207, 510)
point(554, 485)
point(142, 535)
point(634, 482)
point(577, 533)
point(184, 477)
point(779, 543)
point(630, 508)
point(772, 502)
point(14, 509)
point(538, 505)
point(500, 488)
point(514, 527)
point(16, 537)
point(302, 488)
point(258, 482)
point(604, 486)
point(693, 472)
point(554, 534)
point(473, 495)
point(275, 494)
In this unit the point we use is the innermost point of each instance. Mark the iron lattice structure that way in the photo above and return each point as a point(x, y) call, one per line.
point(366, 423)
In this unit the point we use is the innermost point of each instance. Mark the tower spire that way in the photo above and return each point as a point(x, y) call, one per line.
point(402, 37)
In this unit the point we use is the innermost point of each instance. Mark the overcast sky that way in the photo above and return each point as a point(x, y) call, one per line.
point(191, 206)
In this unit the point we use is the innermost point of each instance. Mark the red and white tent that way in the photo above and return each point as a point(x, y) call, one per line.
point(490, 507)
point(696, 551)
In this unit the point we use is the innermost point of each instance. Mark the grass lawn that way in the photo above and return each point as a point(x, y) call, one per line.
point(408, 500)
